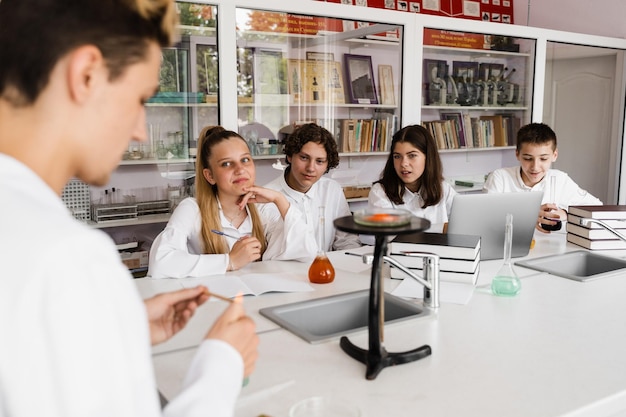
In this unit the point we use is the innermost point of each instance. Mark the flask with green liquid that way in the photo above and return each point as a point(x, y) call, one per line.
point(506, 283)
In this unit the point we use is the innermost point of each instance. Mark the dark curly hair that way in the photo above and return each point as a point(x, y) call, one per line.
point(312, 132)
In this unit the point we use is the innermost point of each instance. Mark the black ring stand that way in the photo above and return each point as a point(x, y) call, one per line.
point(377, 358)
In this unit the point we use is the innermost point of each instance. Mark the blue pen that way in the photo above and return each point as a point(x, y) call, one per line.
point(217, 232)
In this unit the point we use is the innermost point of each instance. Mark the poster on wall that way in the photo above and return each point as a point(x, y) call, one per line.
point(500, 11)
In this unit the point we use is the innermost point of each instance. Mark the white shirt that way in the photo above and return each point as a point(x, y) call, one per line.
point(567, 192)
point(413, 202)
point(177, 251)
point(75, 336)
point(326, 193)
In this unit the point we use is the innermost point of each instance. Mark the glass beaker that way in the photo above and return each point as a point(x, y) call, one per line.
point(321, 270)
point(506, 283)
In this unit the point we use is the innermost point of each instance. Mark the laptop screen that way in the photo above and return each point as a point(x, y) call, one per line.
point(484, 215)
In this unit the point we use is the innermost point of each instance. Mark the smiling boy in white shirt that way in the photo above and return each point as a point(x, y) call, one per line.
point(536, 151)
point(311, 152)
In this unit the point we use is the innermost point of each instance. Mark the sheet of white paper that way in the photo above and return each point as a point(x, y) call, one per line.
point(227, 286)
point(251, 284)
point(282, 282)
point(341, 259)
point(449, 292)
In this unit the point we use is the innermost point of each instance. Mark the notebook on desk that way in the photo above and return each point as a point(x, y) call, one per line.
point(484, 215)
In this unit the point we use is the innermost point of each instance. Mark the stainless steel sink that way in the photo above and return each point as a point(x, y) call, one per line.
point(577, 265)
point(338, 315)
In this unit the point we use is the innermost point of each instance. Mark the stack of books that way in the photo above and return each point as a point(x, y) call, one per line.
point(593, 236)
point(459, 255)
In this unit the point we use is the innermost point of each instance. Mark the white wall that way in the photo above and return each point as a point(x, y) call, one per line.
point(603, 18)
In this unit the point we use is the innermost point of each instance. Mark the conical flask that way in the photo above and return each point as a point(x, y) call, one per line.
point(321, 270)
point(506, 283)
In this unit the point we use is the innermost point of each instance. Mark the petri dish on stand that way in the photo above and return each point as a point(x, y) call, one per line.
point(382, 217)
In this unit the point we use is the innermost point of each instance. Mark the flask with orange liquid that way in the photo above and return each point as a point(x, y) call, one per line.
point(321, 270)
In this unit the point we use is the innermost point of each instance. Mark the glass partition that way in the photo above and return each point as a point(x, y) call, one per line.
point(341, 74)
point(187, 97)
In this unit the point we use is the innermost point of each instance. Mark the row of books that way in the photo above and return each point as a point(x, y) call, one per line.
point(593, 236)
point(456, 130)
point(365, 135)
point(459, 255)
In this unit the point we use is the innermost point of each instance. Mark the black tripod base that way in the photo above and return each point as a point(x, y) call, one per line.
point(377, 361)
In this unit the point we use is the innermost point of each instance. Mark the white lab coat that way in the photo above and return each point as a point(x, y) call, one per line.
point(75, 336)
point(325, 192)
point(177, 250)
point(567, 192)
point(437, 214)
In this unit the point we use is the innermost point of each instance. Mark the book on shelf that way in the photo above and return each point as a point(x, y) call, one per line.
point(446, 276)
point(347, 136)
point(499, 130)
point(609, 211)
point(364, 135)
point(596, 244)
point(444, 132)
point(467, 131)
point(614, 223)
point(592, 234)
point(451, 246)
point(457, 126)
point(511, 124)
point(482, 131)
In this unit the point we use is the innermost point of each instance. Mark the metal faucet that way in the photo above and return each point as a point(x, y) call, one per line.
point(585, 221)
point(431, 274)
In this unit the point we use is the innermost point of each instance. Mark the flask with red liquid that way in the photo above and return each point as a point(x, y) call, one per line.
point(321, 270)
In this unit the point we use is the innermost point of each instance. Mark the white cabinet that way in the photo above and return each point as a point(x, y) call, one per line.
point(476, 88)
point(252, 66)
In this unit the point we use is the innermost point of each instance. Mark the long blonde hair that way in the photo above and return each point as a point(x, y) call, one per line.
point(206, 194)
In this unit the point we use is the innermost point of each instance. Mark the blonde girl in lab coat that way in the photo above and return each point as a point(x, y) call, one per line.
point(221, 230)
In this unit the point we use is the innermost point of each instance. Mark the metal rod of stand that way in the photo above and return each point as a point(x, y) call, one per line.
point(376, 358)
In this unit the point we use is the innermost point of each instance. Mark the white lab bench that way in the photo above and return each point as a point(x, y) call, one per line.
point(556, 349)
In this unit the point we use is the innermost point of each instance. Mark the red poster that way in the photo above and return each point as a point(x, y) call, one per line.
point(487, 10)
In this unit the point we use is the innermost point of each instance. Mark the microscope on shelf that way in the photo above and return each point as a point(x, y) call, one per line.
point(507, 92)
point(437, 89)
point(466, 89)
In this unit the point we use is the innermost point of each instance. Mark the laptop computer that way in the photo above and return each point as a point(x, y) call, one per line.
point(484, 215)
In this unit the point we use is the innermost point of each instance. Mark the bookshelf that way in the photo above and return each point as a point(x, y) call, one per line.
point(476, 88)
